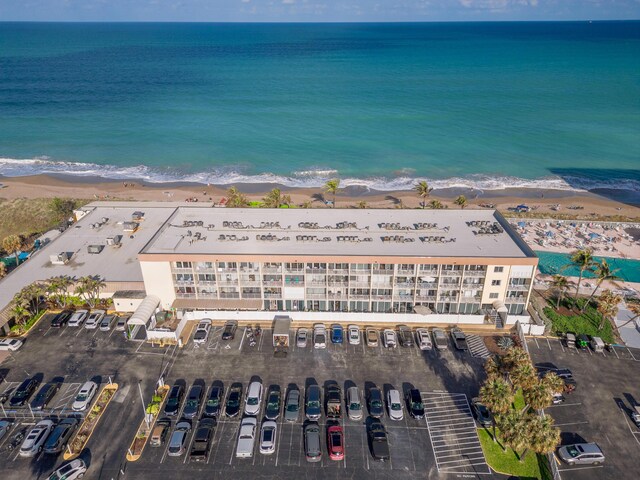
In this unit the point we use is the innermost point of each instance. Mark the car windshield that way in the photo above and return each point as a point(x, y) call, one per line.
point(232, 402)
point(396, 406)
point(192, 403)
point(320, 337)
point(172, 401)
point(213, 402)
point(573, 451)
point(273, 404)
point(314, 404)
point(354, 406)
point(417, 405)
point(376, 403)
point(252, 401)
point(81, 397)
point(293, 407)
point(200, 334)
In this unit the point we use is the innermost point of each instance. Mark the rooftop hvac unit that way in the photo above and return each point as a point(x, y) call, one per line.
point(60, 259)
point(95, 249)
point(137, 215)
point(114, 241)
point(129, 226)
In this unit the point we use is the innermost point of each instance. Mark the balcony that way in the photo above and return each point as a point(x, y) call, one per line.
point(320, 296)
point(451, 273)
point(271, 269)
point(353, 283)
point(272, 283)
point(432, 272)
point(316, 270)
point(433, 285)
point(519, 299)
point(230, 295)
point(185, 295)
point(339, 296)
point(181, 270)
point(272, 295)
point(404, 271)
point(207, 283)
point(447, 298)
point(294, 271)
point(251, 295)
point(381, 297)
point(518, 288)
point(405, 284)
point(340, 283)
point(359, 297)
point(426, 298)
point(338, 271)
point(475, 273)
point(382, 272)
point(320, 283)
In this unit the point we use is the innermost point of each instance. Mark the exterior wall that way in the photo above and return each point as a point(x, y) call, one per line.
point(493, 276)
point(126, 304)
point(158, 281)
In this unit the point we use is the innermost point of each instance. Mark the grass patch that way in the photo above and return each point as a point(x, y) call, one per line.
point(518, 401)
point(574, 321)
point(507, 462)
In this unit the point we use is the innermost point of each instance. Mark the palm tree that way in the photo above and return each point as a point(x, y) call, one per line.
point(493, 368)
point(436, 205)
point(603, 271)
point(362, 204)
point(520, 369)
point(608, 306)
point(19, 313)
point(497, 395)
point(13, 244)
point(560, 285)
point(52, 289)
point(422, 190)
point(515, 432)
point(583, 259)
point(332, 187)
point(275, 199)
point(546, 436)
point(235, 198)
point(540, 394)
point(29, 297)
point(461, 201)
point(633, 307)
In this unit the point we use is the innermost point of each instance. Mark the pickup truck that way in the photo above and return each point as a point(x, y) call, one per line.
point(378, 441)
point(247, 437)
point(202, 440)
point(459, 339)
point(334, 401)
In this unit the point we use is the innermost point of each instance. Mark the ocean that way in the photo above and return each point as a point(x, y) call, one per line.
point(476, 105)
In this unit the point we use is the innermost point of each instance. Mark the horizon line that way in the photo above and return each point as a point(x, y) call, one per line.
point(324, 22)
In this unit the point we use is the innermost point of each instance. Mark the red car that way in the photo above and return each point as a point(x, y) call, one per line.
point(335, 442)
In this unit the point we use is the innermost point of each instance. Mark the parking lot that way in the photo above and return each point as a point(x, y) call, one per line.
point(599, 410)
point(434, 447)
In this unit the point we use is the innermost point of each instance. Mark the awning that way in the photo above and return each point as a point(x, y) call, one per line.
point(500, 307)
point(143, 313)
point(214, 304)
point(422, 310)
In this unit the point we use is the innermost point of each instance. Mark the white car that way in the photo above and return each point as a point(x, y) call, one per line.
point(77, 318)
point(319, 336)
point(354, 334)
point(202, 331)
point(301, 339)
point(84, 397)
point(394, 405)
point(268, 437)
point(33, 442)
point(423, 337)
point(253, 399)
point(93, 320)
point(389, 339)
point(246, 438)
point(70, 471)
point(11, 344)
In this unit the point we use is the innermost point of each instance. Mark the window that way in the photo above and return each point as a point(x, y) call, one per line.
point(496, 282)
point(183, 264)
point(206, 277)
point(498, 269)
point(493, 295)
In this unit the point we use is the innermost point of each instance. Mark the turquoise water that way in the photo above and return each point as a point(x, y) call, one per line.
point(486, 105)
point(554, 263)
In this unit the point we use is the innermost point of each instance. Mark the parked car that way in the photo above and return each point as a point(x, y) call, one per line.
point(4, 396)
point(78, 318)
point(234, 400)
point(202, 331)
point(61, 319)
point(319, 336)
point(160, 431)
point(178, 439)
point(253, 399)
point(84, 396)
point(194, 400)
point(389, 338)
point(5, 426)
point(372, 337)
point(73, 470)
point(376, 405)
point(44, 395)
point(378, 440)
point(483, 415)
point(10, 344)
point(570, 339)
point(33, 442)
point(24, 392)
point(635, 415)
point(268, 434)
point(202, 440)
point(214, 401)
point(459, 339)
point(337, 333)
point(229, 331)
point(313, 404)
point(354, 405)
point(172, 407)
point(405, 336)
point(581, 454)
point(335, 442)
point(414, 403)
point(272, 409)
point(312, 445)
point(440, 339)
point(394, 405)
point(60, 436)
point(582, 341)
point(292, 405)
point(107, 322)
point(121, 323)
point(424, 339)
point(354, 335)
point(94, 319)
point(301, 338)
point(246, 437)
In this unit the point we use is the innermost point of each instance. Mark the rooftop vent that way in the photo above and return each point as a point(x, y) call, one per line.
point(60, 259)
point(130, 226)
point(95, 249)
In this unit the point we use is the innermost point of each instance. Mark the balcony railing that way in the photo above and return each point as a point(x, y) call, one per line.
point(272, 295)
point(451, 273)
point(426, 298)
point(518, 288)
point(271, 269)
point(475, 273)
point(521, 299)
point(272, 283)
point(251, 295)
point(382, 272)
point(185, 295)
point(229, 295)
point(432, 272)
point(426, 285)
point(359, 297)
point(342, 295)
point(317, 295)
point(405, 284)
point(316, 270)
point(404, 271)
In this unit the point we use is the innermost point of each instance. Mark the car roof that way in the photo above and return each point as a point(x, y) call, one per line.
point(394, 395)
point(87, 385)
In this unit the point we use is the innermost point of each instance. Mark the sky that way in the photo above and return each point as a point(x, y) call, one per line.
point(316, 10)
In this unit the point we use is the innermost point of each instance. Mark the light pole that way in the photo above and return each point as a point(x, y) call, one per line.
point(144, 410)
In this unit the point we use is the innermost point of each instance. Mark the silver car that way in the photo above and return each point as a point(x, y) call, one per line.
point(301, 338)
point(292, 405)
point(34, 441)
point(107, 321)
point(94, 319)
point(246, 438)
point(77, 318)
point(424, 339)
point(268, 435)
point(178, 439)
point(581, 454)
point(354, 405)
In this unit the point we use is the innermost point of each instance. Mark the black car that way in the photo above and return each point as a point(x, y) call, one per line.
point(414, 403)
point(61, 319)
point(482, 413)
point(378, 441)
point(202, 440)
point(376, 405)
point(44, 395)
point(229, 330)
point(175, 398)
point(194, 399)
point(405, 336)
point(24, 392)
point(234, 400)
point(57, 441)
point(272, 410)
point(214, 402)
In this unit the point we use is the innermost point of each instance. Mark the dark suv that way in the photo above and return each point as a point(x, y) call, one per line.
point(61, 319)
point(175, 398)
point(60, 436)
point(23, 392)
point(214, 402)
point(229, 331)
point(414, 403)
point(194, 399)
point(44, 395)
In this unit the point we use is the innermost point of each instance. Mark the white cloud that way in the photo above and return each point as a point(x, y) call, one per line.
point(288, 2)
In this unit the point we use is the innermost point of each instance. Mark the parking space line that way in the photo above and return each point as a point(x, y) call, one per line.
point(614, 351)
point(579, 468)
point(630, 353)
point(570, 423)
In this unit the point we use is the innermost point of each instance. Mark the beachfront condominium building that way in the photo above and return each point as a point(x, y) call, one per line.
point(440, 262)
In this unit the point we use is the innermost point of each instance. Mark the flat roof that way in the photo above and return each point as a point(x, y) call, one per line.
point(341, 232)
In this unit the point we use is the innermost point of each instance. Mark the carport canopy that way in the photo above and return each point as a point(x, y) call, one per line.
point(143, 313)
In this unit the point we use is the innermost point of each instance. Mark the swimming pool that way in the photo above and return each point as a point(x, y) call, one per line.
point(552, 263)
